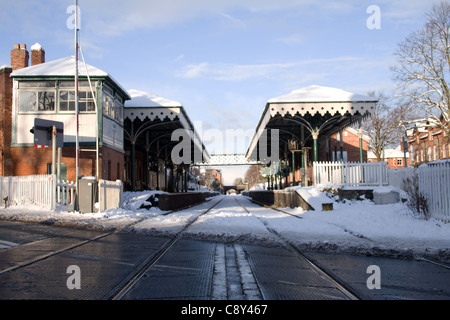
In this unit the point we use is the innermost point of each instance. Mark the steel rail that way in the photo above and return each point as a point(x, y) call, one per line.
point(119, 293)
point(348, 292)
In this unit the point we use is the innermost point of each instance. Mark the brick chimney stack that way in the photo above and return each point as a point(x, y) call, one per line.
point(19, 56)
point(37, 54)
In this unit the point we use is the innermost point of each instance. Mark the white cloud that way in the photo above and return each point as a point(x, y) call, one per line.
point(292, 39)
point(240, 72)
point(112, 17)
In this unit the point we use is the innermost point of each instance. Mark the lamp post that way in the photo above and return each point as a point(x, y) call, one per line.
point(293, 147)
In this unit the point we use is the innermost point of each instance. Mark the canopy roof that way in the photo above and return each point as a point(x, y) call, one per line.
point(160, 117)
point(319, 110)
point(142, 99)
point(321, 94)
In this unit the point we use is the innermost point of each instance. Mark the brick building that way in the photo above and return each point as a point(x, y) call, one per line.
point(395, 158)
point(427, 144)
point(331, 150)
point(46, 90)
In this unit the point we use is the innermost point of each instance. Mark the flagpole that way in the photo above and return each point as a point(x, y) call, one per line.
point(77, 147)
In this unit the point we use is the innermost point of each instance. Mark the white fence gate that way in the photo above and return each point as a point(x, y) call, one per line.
point(350, 173)
point(434, 184)
point(397, 177)
point(110, 194)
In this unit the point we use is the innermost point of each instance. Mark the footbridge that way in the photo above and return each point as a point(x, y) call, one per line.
point(220, 160)
point(227, 160)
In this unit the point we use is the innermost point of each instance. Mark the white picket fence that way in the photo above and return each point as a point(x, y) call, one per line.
point(44, 191)
point(350, 173)
point(65, 192)
point(433, 180)
point(39, 190)
point(434, 184)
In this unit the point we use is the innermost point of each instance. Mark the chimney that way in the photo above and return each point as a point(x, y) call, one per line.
point(19, 56)
point(37, 54)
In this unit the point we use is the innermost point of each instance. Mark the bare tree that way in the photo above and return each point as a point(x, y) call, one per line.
point(253, 175)
point(424, 67)
point(383, 126)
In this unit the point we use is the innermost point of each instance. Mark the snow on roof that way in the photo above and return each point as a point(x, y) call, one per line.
point(5, 66)
point(145, 99)
point(389, 153)
point(63, 67)
point(321, 94)
point(60, 67)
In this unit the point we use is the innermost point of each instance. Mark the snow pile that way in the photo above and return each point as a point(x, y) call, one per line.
point(313, 196)
point(359, 227)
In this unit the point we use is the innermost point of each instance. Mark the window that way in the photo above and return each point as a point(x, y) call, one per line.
point(112, 105)
point(429, 154)
point(435, 153)
point(32, 101)
point(444, 151)
point(86, 101)
point(27, 101)
point(399, 162)
point(109, 170)
point(67, 100)
point(46, 100)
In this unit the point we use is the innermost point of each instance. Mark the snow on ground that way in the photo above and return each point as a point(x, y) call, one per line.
point(359, 227)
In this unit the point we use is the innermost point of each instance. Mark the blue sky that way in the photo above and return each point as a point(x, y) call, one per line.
point(222, 59)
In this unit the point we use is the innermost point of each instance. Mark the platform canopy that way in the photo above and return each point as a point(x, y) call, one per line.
point(149, 124)
point(307, 113)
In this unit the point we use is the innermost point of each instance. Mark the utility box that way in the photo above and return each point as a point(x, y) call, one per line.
point(87, 194)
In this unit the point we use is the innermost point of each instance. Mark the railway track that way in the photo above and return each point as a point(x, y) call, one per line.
point(138, 274)
point(341, 287)
point(165, 248)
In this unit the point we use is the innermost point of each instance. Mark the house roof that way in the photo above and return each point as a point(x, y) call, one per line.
point(389, 153)
point(65, 67)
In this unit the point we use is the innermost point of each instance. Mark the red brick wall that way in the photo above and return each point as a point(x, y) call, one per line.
point(5, 121)
point(351, 145)
point(30, 161)
point(115, 168)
